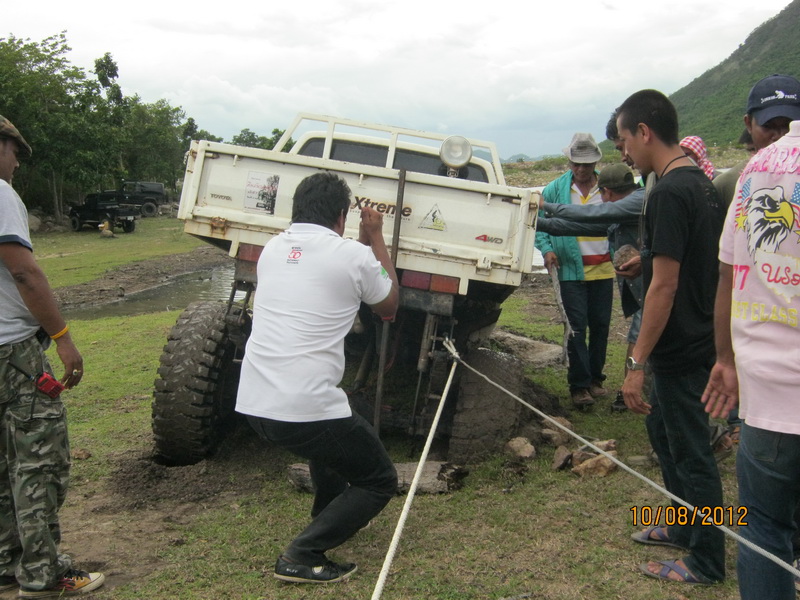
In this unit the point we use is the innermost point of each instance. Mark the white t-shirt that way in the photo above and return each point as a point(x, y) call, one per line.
point(16, 321)
point(760, 240)
point(310, 285)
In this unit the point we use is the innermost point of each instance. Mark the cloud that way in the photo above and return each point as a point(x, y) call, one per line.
point(524, 76)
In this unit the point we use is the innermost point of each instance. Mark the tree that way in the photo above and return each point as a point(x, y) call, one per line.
point(49, 100)
point(253, 140)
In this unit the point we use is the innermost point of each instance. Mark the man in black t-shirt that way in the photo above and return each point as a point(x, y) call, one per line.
point(681, 226)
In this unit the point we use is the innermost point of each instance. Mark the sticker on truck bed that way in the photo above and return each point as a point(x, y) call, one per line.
point(433, 220)
point(260, 192)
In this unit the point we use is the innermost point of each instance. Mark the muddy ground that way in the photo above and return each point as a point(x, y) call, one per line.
point(137, 277)
point(121, 525)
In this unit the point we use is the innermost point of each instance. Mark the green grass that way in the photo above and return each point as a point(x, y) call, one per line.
point(510, 531)
point(70, 258)
point(506, 533)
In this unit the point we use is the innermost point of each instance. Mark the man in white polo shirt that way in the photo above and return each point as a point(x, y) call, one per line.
point(311, 284)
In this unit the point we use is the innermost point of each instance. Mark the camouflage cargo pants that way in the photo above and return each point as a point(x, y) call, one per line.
point(34, 470)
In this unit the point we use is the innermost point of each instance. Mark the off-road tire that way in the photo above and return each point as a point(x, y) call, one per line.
point(486, 417)
point(75, 223)
point(195, 392)
point(128, 226)
point(149, 209)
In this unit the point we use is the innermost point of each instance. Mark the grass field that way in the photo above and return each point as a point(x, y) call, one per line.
point(512, 532)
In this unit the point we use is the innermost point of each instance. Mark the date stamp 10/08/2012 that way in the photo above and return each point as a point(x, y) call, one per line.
point(719, 516)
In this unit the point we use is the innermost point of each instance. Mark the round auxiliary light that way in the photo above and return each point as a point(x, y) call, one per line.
point(455, 151)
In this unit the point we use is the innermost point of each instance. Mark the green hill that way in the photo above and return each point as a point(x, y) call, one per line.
point(712, 105)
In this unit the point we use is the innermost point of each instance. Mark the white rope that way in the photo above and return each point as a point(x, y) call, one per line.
point(449, 346)
point(398, 531)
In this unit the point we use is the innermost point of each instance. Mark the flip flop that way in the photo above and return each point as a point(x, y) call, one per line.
point(672, 565)
point(661, 539)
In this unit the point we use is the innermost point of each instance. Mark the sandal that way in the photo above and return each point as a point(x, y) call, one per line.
point(672, 565)
point(661, 538)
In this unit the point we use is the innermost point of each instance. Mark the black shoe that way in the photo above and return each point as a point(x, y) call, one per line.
point(8, 582)
point(618, 405)
point(329, 572)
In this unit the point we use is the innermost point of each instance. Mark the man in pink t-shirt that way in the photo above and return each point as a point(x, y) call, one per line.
point(758, 358)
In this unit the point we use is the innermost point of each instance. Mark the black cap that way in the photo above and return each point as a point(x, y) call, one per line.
point(774, 96)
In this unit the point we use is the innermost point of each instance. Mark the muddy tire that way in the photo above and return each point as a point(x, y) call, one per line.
point(195, 392)
point(75, 223)
point(128, 226)
point(149, 209)
point(486, 417)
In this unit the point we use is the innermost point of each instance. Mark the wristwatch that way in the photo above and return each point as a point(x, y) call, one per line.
point(632, 365)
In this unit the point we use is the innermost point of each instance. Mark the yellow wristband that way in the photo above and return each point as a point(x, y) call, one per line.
point(60, 333)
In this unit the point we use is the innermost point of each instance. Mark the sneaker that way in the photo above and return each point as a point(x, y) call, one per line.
point(597, 390)
point(72, 583)
point(8, 582)
point(618, 405)
point(581, 398)
point(329, 572)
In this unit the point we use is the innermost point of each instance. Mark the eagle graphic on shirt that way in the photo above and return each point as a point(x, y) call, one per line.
point(770, 220)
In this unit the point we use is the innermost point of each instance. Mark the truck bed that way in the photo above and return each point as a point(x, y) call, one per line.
point(475, 231)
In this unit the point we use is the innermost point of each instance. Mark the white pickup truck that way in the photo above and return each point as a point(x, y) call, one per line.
point(462, 241)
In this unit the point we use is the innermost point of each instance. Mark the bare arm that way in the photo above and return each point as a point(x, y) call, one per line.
point(371, 234)
point(657, 308)
point(38, 297)
point(722, 392)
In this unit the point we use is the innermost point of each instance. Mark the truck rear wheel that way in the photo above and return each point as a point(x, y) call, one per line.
point(149, 209)
point(128, 226)
point(75, 223)
point(195, 391)
point(486, 417)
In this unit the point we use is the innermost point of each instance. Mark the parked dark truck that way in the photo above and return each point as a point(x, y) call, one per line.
point(461, 238)
point(99, 208)
point(146, 196)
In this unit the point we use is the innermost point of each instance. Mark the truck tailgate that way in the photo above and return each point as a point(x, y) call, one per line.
point(471, 230)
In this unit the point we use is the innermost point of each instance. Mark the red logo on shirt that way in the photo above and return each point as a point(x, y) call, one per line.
point(295, 254)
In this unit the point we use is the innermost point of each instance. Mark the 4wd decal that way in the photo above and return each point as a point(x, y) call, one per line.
point(260, 192)
point(489, 239)
point(433, 220)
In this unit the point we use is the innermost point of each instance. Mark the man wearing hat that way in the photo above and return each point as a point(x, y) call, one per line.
point(585, 273)
point(772, 104)
point(617, 217)
point(34, 448)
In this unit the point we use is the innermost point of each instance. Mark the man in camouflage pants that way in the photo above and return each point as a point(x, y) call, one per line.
point(34, 449)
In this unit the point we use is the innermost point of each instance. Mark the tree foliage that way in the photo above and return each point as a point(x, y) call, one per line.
point(252, 140)
point(85, 133)
point(712, 106)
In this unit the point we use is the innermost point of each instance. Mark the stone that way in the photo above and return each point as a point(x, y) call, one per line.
point(533, 352)
point(641, 461)
point(520, 447)
point(623, 254)
point(581, 456)
point(555, 437)
point(599, 466)
point(605, 445)
point(436, 477)
point(562, 458)
point(34, 223)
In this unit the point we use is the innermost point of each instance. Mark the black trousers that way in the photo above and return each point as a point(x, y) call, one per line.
point(353, 478)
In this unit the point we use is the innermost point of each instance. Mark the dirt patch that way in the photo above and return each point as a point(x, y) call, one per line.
point(121, 525)
point(128, 279)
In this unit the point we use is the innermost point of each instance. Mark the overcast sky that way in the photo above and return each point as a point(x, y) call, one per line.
point(525, 75)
